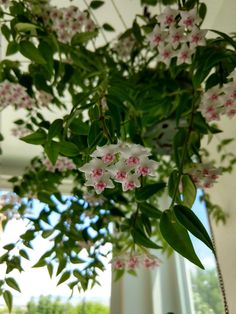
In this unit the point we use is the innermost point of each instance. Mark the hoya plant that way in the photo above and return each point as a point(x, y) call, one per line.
point(129, 116)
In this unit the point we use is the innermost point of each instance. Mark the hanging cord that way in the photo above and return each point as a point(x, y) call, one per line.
point(220, 276)
point(96, 20)
point(119, 14)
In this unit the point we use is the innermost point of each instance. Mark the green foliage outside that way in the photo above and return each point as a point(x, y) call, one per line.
point(49, 305)
point(206, 293)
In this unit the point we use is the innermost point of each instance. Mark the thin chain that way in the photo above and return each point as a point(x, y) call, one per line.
point(96, 20)
point(119, 14)
point(220, 276)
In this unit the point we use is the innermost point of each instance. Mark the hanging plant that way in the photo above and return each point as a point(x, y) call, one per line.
point(130, 115)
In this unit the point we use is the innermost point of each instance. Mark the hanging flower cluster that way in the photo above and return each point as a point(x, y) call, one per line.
point(15, 94)
point(204, 175)
point(62, 164)
point(66, 22)
point(122, 162)
point(44, 98)
point(134, 261)
point(124, 46)
point(12, 200)
point(19, 131)
point(218, 101)
point(177, 34)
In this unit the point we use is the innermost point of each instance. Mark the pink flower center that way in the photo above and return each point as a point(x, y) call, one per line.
point(228, 103)
point(144, 171)
point(188, 21)
point(184, 55)
point(132, 161)
point(166, 54)
point(169, 20)
point(148, 263)
point(108, 158)
point(196, 38)
point(233, 95)
point(100, 185)
point(118, 264)
point(96, 173)
point(157, 39)
point(121, 175)
point(176, 37)
point(130, 185)
point(133, 262)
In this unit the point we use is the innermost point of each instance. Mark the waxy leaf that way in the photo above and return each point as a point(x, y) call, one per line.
point(149, 190)
point(52, 150)
point(65, 276)
point(95, 4)
point(13, 284)
point(108, 27)
point(55, 129)
point(8, 299)
point(149, 210)
point(37, 138)
point(191, 222)
point(25, 27)
point(69, 149)
point(189, 191)
point(28, 50)
point(140, 238)
point(177, 237)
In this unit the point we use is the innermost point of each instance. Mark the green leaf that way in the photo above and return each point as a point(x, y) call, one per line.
point(202, 10)
point(47, 233)
point(12, 48)
point(191, 222)
point(25, 27)
point(65, 276)
point(69, 149)
point(52, 150)
point(82, 38)
point(94, 133)
point(9, 247)
point(189, 191)
point(55, 129)
point(61, 266)
point(95, 4)
point(29, 51)
point(13, 284)
point(177, 237)
point(149, 210)
point(37, 138)
point(8, 299)
point(108, 27)
point(149, 2)
point(24, 254)
point(140, 238)
point(79, 127)
point(226, 37)
point(149, 190)
point(50, 269)
point(45, 197)
point(172, 185)
point(40, 263)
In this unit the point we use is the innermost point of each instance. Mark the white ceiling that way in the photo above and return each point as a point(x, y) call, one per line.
point(16, 154)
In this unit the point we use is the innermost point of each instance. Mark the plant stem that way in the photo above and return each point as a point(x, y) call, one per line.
point(119, 14)
point(185, 147)
point(102, 119)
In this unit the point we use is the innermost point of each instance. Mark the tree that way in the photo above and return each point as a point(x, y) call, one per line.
point(206, 292)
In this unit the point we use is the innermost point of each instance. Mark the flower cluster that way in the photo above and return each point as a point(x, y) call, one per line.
point(62, 164)
point(122, 162)
point(177, 34)
point(11, 200)
point(66, 22)
point(218, 101)
point(124, 46)
point(132, 261)
point(204, 175)
point(19, 131)
point(15, 94)
point(44, 98)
